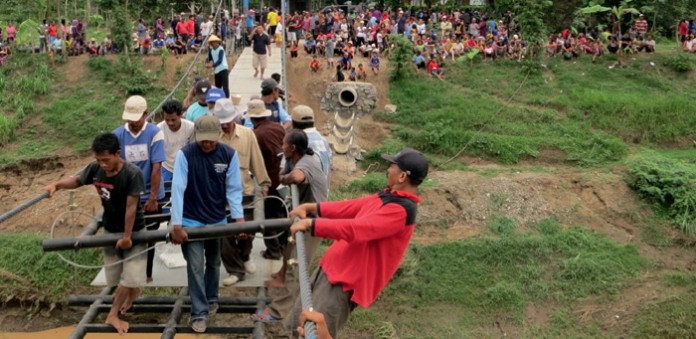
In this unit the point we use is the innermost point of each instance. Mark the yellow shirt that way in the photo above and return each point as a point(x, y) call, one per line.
point(243, 140)
point(272, 19)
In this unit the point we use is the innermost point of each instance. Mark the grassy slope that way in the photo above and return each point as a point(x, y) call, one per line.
point(490, 285)
point(590, 112)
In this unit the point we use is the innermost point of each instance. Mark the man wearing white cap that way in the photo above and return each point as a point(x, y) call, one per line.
point(236, 249)
point(206, 179)
point(142, 144)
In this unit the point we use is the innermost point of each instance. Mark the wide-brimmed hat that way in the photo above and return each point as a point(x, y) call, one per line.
point(213, 38)
point(257, 109)
point(225, 111)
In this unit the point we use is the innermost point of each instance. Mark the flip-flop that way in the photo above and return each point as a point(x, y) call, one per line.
point(264, 317)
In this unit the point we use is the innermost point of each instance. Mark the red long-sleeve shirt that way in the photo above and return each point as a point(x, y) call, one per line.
point(371, 236)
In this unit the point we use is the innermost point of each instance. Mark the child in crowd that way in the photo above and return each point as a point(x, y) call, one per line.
point(294, 49)
point(339, 77)
point(362, 75)
point(314, 65)
point(353, 75)
point(434, 69)
point(374, 63)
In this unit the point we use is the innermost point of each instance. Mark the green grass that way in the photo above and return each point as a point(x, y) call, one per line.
point(23, 81)
point(672, 318)
point(487, 278)
point(586, 110)
point(27, 273)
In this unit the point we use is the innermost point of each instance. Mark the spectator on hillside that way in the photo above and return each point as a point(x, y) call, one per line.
point(196, 43)
point(641, 26)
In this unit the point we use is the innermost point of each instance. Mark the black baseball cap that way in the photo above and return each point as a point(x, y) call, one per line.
point(410, 161)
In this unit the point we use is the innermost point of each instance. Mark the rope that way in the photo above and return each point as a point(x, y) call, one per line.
point(489, 120)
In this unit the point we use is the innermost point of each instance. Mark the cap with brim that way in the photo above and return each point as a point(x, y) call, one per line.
point(207, 128)
point(202, 87)
point(213, 38)
point(135, 107)
point(214, 94)
point(410, 161)
point(269, 84)
point(302, 113)
point(257, 109)
point(224, 110)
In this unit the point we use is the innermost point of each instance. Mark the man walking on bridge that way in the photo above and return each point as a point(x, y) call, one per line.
point(260, 44)
point(119, 185)
point(206, 179)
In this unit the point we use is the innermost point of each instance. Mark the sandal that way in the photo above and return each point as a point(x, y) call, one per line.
point(264, 317)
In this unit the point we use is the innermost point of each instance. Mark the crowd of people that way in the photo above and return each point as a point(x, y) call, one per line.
point(204, 151)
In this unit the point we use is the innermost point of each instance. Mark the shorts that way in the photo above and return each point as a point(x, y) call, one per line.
point(259, 60)
point(130, 273)
point(292, 36)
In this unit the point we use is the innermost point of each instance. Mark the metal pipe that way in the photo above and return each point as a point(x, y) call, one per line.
point(93, 225)
point(81, 328)
point(86, 300)
point(165, 308)
point(194, 233)
point(259, 328)
point(305, 288)
point(158, 328)
point(174, 318)
point(11, 213)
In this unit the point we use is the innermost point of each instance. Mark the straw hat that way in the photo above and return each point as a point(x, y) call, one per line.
point(213, 38)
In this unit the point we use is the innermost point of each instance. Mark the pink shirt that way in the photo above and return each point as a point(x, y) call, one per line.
point(10, 31)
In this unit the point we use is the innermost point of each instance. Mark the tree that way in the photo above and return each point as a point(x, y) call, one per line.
point(618, 12)
point(529, 16)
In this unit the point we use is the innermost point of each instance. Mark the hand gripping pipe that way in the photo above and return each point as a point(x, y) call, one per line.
point(305, 289)
point(194, 233)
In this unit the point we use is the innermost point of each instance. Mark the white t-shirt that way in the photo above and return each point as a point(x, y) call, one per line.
point(206, 27)
point(174, 141)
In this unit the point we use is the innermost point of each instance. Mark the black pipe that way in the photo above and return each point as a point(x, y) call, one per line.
point(91, 314)
point(166, 308)
point(259, 328)
point(85, 300)
point(11, 213)
point(194, 233)
point(174, 318)
point(158, 328)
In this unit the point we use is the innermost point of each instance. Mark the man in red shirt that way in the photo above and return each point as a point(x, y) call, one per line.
point(182, 31)
point(370, 235)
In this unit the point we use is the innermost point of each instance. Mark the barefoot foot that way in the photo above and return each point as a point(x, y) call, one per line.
point(274, 283)
point(120, 325)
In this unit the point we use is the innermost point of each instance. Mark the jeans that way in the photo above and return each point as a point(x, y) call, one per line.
point(203, 270)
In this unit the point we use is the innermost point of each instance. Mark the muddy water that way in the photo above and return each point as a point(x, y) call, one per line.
point(64, 332)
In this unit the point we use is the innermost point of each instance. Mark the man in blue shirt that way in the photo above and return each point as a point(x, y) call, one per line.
point(217, 60)
point(200, 107)
point(206, 179)
point(270, 93)
point(142, 144)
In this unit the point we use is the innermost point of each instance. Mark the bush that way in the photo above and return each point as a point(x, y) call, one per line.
point(680, 63)
point(669, 183)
